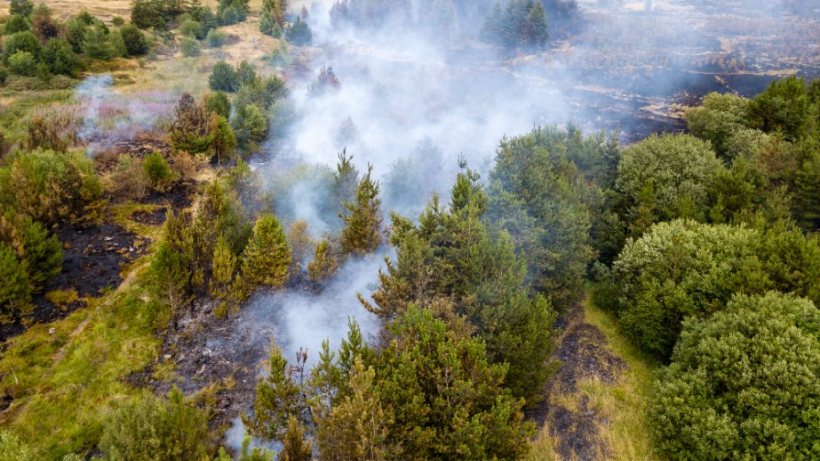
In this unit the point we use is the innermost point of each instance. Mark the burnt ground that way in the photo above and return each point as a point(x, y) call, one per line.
point(92, 260)
point(208, 353)
point(583, 355)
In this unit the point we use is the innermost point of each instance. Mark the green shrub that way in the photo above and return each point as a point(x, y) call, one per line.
point(744, 384)
point(189, 46)
point(158, 172)
point(218, 103)
point(23, 63)
point(118, 21)
point(60, 57)
point(683, 269)
point(191, 28)
point(267, 257)
point(154, 429)
point(17, 23)
point(135, 42)
point(117, 43)
point(15, 292)
point(223, 78)
point(50, 187)
point(21, 7)
point(97, 44)
point(719, 118)
point(40, 253)
point(216, 38)
point(21, 41)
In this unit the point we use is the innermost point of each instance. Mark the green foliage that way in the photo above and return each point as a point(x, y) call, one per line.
point(16, 23)
point(684, 269)
point(663, 178)
point(12, 449)
point(191, 28)
point(51, 187)
point(785, 107)
point(447, 400)
point(152, 428)
point(451, 264)
point(60, 57)
point(20, 41)
point(356, 427)
point(222, 270)
point(299, 33)
point(221, 138)
point(21, 7)
point(324, 262)
point(96, 43)
point(537, 194)
point(278, 398)
point(362, 232)
point(189, 130)
point(40, 254)
point(218, 103)
point(223, 78)
point(158, 172)
point(719, 118)
point(294, 445)
point(23, 63)
point(189, 46)
point(15, 292)
point(216, 38)
point(744, 384)
point(523, 24)
point(135, 42)
point(250, 125)
point(267, 257)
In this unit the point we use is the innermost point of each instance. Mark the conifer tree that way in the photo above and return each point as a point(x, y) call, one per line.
point(356, 428)
point(15, 293)
point(223, 268)
point(294, 445)
point(324, 262)
point(267, 257)
point(222, 138)
point(362, 233)
point(278, 397)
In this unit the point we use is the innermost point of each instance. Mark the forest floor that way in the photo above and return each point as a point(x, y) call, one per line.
point(596, 402)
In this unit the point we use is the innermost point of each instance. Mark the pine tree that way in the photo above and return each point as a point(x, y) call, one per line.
point(222, 271)
point(278, 398)
point(324, 262)
point(294, 445)
point(267, 257)
point(15, 293)
point(356, 428)
point(222, 138)
point(362, 232)
point(535, 27)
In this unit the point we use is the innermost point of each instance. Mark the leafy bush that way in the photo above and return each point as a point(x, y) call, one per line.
point(218, 103)
point(223, 78)
point(135, 42)
point(719, 118)
point(118, 21)
point(189, 46)
point(683, 269)
point(21, 7)
point(744, 384)
point(191, 28)
point(51, 187)
point(23, 63)
point(60, 57)
point(663, 178)
point(21, 41)
point(158, 172)
point(17, 23)
point(15, 293)
point(152, 428)
point(216, 38)
point(784, 106)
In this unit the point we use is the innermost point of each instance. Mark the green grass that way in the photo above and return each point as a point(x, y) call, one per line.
point(17, 111)
point(623, 404)
point(122, 215)
point(65, 383)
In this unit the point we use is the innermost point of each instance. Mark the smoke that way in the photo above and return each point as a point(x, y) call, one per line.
point(297, 319)
point(109, 117)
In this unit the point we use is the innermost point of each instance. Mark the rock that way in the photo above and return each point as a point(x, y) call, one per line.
point(52, 330)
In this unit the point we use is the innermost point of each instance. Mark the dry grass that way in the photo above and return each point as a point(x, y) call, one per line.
point(622, 405)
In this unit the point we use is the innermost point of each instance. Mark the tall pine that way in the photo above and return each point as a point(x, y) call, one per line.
point(267, 257)
point(362, 232)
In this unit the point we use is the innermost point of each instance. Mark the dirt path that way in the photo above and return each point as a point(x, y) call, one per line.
point(567, 416)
